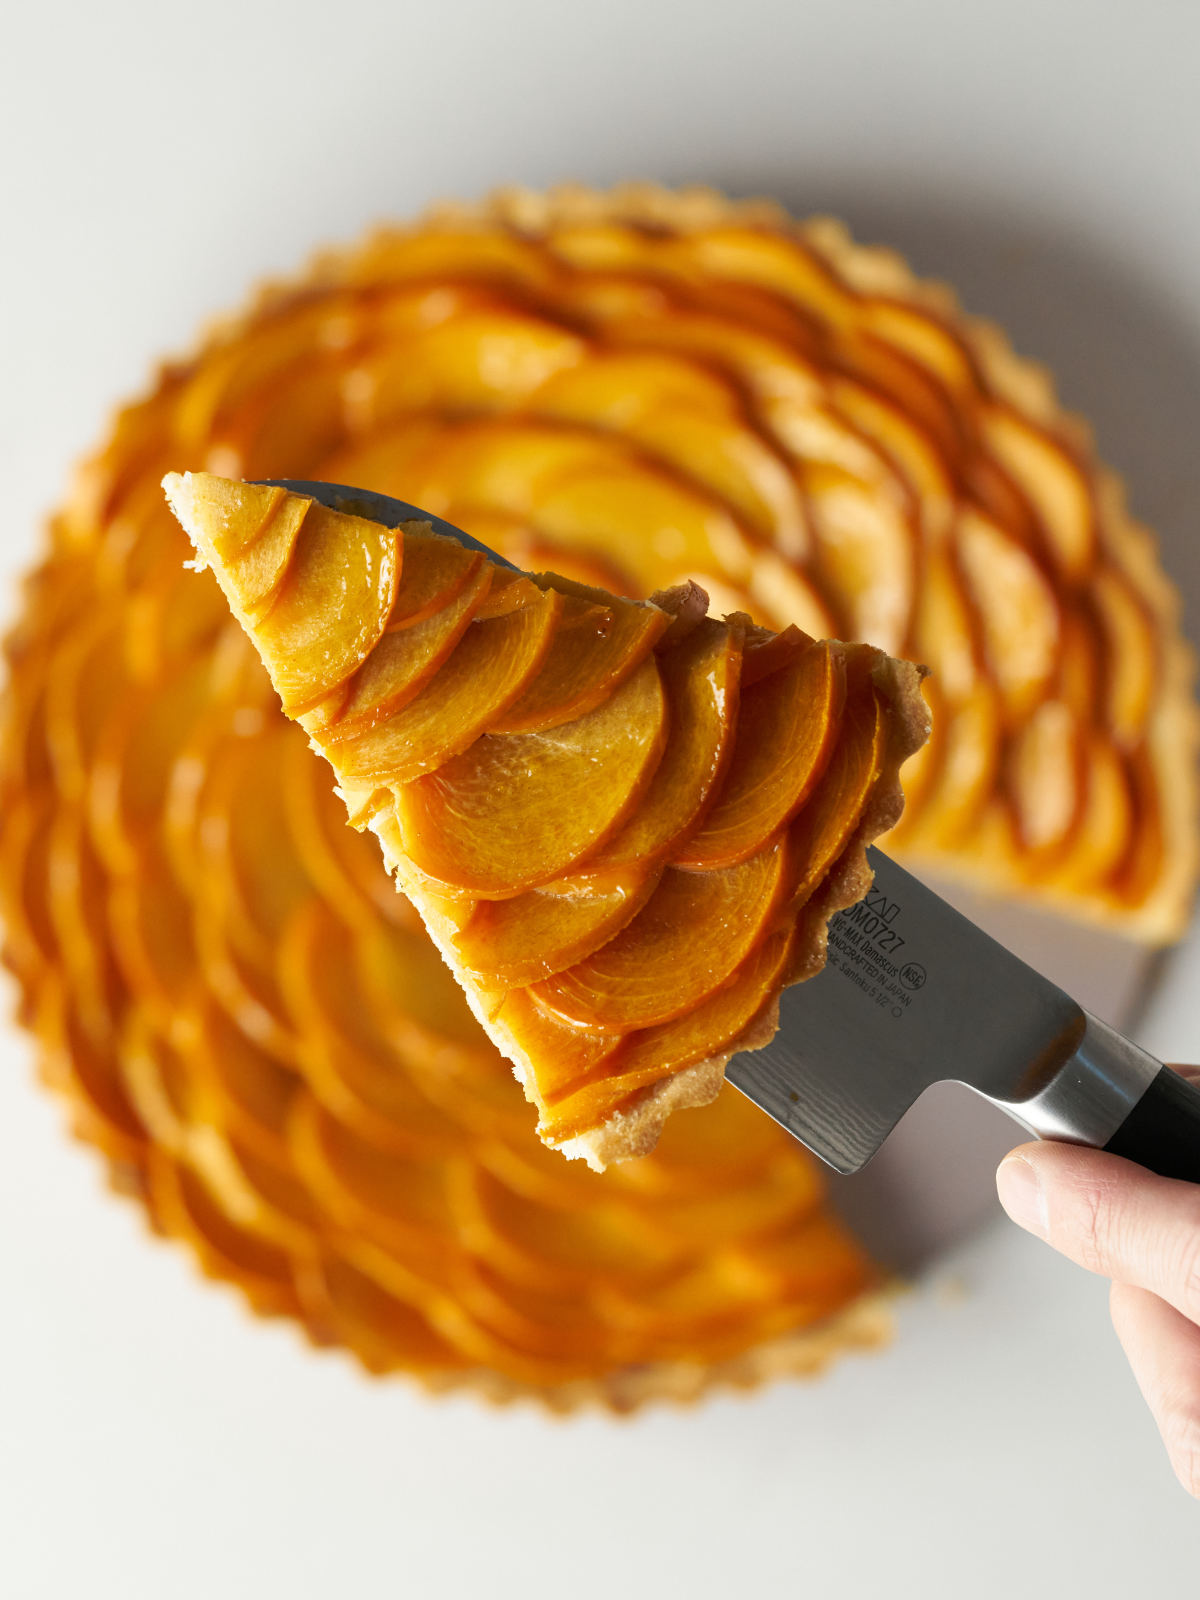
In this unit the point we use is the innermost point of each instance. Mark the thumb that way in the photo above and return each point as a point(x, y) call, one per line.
point(1109, 1216)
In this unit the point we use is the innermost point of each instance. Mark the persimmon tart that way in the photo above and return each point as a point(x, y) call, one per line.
point(633, 389)
point(625, 824)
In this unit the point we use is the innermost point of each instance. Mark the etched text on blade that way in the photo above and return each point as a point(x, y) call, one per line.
point(912, 993)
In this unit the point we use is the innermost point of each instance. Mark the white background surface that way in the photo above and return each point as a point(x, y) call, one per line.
point(1042, 154)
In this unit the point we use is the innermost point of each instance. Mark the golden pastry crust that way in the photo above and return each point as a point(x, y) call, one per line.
point(124, 759)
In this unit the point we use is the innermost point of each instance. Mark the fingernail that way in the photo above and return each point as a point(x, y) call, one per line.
point(1020, 1192)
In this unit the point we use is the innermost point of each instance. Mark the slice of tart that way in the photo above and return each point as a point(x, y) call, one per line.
point(625, 824)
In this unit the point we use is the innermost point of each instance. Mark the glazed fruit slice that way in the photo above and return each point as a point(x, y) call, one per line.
point(700, 680)
point(596, 648)
point(687, 943)
point(306, 629)
point(494, 661)
point(587, 1098)
point(402, 662)
point(619, 820)
point(518, 810)
point(787, 729)
point(536, 935)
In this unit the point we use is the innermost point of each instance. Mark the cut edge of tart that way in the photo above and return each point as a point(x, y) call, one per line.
point(643, 969)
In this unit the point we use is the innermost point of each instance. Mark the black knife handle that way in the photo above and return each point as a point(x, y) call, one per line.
point(1162, 1132)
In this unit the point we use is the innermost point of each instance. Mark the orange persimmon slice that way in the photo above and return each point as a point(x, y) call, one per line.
point(692, 934)
point(516, 810)
point(537, 934)
point(787, 728)
point(490, 666)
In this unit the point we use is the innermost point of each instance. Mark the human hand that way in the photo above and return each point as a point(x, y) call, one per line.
point(1143, 1232)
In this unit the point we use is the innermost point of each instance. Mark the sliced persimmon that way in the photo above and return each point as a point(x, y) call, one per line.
point(787, 727)
point(537, 934)
point(651, 524)
point(1051, 479)
point(227, 381)
point(1132, 658)
point(1005, 582)
point(1044, 772)
point(486, 672)
point(964, 754)
point(700, 677)
point(617, 385)
point(1100, 840)
point(253, 1091)
point(252, 530)
point(506, 466)
point(310, 639)
point(687, 941)
point(769, 652)
point(509, 592)
point(785, 266)
point(910, 388)
point(595, 649)
point(259, 568)
point(907, 443)
point(563, 1053)
point(824, 826)
point(819, 1260)
point(654, 1053)
point(943, 628)
point(735, 464)
point(517, 810)
point(765, 366)
point(398, 668)
point(384, 1332)
point(548, 1246)
point(485, 360)
point(867, 553)
point(925, 338)
point(434, 570)
point(185, 1208)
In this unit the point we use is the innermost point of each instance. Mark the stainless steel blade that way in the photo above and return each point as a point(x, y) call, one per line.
point(378, 508)
point(912, 994)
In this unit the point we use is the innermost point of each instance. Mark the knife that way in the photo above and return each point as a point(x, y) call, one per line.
point(913, 994)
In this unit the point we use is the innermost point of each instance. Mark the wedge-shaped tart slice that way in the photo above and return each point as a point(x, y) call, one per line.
point(626, 824)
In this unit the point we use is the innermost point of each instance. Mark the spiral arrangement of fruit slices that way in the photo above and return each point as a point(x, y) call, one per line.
point(632, 388)
point(645, 388)
point(628, 823)
point(254, 1029)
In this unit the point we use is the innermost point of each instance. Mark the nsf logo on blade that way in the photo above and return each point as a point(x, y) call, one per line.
point(913, 976)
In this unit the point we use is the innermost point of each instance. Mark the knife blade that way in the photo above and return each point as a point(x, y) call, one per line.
point(381, 508)
point(913, 994)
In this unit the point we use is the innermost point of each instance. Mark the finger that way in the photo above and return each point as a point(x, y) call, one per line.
point(1164, 1352)
point(1110, 1216)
